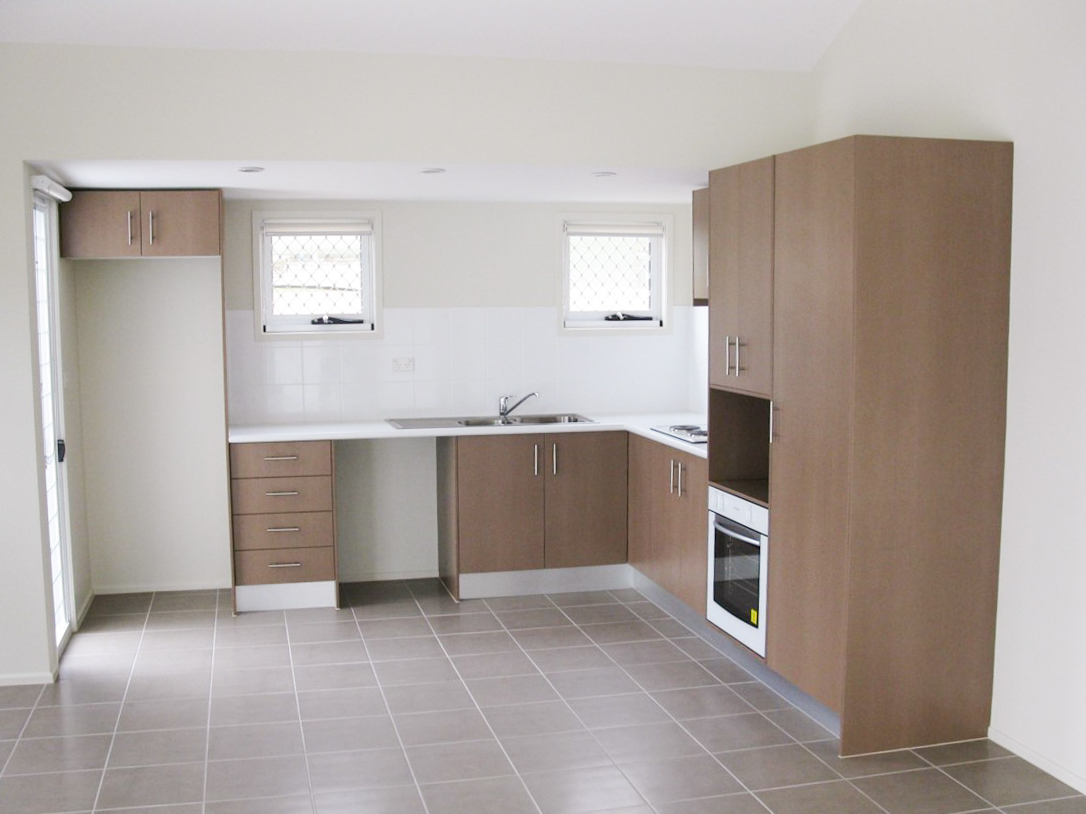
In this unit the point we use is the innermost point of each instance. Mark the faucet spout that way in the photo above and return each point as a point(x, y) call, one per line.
point(503, 404)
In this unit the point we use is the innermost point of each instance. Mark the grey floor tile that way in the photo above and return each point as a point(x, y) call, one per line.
point(418, 647)
point(114, 624)
point(104, 644)
point(225, 619)
point(98, 689)
point(442, 727)
point(66, 791)
point(169, 640)
point(596, 682)
point(250, 635)
point(819, 798)
point(82, 719)
point(494, 795)
point(394, 628)
point(650, 652)
point(305, 655)
point(617, 632)
point(469, 760)
point(648, 611)
point(465, 623)
point(349, 734)
point(258, 681)
point(152, 662)
point(74, 753)
point(473, 644)
point(618, 710)
point(964, 752)
point(165, 601)
point(772, 767)
point(334, 676)
point(532, 719)
point(560, 659)
point(697, 648)
point(533, 618)
point(573, 791)
point(163, 714)
point(701, 702)
point(555, 752)
point(742, 803)
point(927, 791)
point(545, 638)
point(730, 732)
point(264, 805)
point(496, 692)
point(132, 749)
point(726, 670)
point(6, 748)
point(647, 742)
point(494, 665)
point(181, 620)
point(310, 616)
point(183, 808)
point(247, 658)
point(193, 684)
point(263, 777)
point(105, 604)
point(351, 703)
point(1009, 780)
point(391, 800)
point(414, 671)
point(370, 768)
point(12, 722)
point(255, 740)
point(428, 697)
point(152, 786)
point(1072, 805)
point(324, 632)
point(598, 614)
point(507, 603)
point(231, 710)
point(447, 606)
point(760, 697)
point(401, 609)
point(628, 595)
point(575, 598)
point(671, 628)
point(862, 765)
point(799, 725)
point(671, 675)
point(663, 781)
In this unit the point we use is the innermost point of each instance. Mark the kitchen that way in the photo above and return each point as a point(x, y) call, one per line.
point(873, 80)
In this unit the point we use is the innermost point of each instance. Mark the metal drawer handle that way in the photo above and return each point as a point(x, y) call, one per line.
point(151, 227)
point(282, 458)
point(129, 227)
point(554, 459)
point(293, 528)
point(672, 489)
point(535, 470)
point(280, 494)
point(284, 565)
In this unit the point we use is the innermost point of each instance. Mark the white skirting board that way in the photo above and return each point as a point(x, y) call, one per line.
point(546, 581)
point(289, 596)
point(1042, 762)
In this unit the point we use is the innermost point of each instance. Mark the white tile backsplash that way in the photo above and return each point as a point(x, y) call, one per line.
point(464, 359)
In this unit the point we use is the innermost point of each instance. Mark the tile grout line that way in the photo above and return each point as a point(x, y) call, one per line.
point(22, 730)
point(298, 707)
point(210, 695)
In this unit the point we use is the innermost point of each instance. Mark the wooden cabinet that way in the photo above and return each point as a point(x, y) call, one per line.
point(668, 511)
point(741, 277)
point(699, 244)
point(521, 502)
point(133, 223)
point(283, 524)
point(891, 287)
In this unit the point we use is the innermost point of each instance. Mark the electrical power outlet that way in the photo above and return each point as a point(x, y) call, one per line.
point(403, 364)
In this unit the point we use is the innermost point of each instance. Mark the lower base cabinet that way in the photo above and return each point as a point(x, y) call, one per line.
point(668, 516)
point(521, 502)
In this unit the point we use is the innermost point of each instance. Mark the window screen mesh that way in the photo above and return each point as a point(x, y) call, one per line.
point(610, 273)
point(314, 275)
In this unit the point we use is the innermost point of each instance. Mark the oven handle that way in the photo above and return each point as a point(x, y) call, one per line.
point(733, 529)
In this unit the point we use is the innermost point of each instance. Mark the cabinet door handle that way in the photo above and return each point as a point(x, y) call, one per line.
point(280, 494)
point(738, 366)
point(671, 490)
point(129, 227)
point(284, 565)
point(554, 459)
point(680, 492)
point(282, 458)
point(727, 356)
point(535, 470)
point(285, 528)
point(151, 228)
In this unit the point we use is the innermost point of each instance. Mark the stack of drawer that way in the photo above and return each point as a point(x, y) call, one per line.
point(284, 529)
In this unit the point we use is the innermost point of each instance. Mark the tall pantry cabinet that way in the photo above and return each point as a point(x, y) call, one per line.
point(890, 303)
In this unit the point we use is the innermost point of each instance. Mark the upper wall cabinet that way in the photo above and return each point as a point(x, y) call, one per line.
point(741, 277)
point(131, 223)
point(700, 245)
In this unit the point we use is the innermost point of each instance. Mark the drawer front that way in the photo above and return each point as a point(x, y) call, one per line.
point(275, 566)
point(281, 459)
point(294, 530)
point(279, 495)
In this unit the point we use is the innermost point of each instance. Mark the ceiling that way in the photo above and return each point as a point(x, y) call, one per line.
point(781, 35)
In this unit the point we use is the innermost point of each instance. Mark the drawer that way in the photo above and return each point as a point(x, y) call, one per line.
point(274, 566)
point(281, 459)
point(291, 530)
point(279, 495)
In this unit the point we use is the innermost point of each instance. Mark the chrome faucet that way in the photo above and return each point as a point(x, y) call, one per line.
point(503, 404)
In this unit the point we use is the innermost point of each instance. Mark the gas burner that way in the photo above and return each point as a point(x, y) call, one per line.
point(691, 433)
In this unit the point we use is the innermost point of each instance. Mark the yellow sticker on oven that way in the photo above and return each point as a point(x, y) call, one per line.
point(753, 616)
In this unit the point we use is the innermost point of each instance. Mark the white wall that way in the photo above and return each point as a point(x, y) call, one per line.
point(154, 428)
point(1010, 70)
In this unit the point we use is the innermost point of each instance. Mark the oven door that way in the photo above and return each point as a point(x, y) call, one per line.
point(737, 581)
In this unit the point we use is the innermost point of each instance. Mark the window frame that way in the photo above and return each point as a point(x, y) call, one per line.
point(659, 227)
point(266, 223)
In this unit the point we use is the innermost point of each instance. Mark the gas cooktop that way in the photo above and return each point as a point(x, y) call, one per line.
point(691, 433)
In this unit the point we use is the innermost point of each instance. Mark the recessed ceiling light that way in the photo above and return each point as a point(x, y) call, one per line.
point(250, 169)
point(604, 174)
point(433, 171)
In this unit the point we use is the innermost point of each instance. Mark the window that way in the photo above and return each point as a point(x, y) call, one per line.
point(316, 274)
point(614, 274)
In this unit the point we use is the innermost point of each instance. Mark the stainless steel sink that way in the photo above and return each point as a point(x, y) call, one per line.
point(488, 421)
point(556, 418)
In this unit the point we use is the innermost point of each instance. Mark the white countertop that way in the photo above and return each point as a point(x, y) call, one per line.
point(637, 423)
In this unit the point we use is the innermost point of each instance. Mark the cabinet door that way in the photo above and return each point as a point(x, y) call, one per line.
point(643, 512)
point(500, 502)
point(741, 277)
point(585, 499)
point(809, 464)
point(100, 224)
point(700, 245)
point(176, 223)
point(690, 531)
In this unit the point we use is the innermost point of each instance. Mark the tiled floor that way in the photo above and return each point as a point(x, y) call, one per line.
point(407, 703)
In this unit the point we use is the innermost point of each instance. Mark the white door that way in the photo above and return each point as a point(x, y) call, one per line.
point(52, 411)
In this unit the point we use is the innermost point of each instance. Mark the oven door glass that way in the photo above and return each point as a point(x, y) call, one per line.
point(737, 570)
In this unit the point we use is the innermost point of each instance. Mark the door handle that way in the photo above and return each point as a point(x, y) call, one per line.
point(680, 490)
point(62, 450)
point(554, 459)
point(536, 467)
point(727, 356)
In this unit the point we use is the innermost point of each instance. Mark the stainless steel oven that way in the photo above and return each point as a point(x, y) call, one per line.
point(738, 568)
